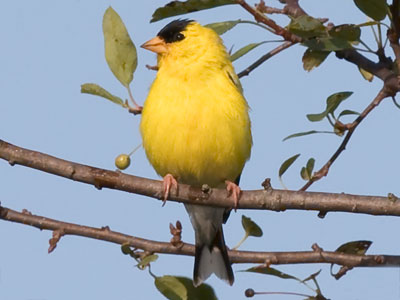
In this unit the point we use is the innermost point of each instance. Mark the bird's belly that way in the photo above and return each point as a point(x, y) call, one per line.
point(195, 143)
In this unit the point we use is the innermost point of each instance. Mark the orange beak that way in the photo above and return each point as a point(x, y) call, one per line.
point(156, 45)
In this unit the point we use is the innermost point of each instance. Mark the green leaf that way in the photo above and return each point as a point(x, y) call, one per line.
point(375, 9)
point(94, 89)
point(287, 163)
point(147, 260)
point(126, 249)
point(306, 172)
point(303, 174)
point(251, 228)
point(119, 49)
point(271, 271)
point(366, 75)
point(304, 133)
point(327, 44)
point(222, 27)
point(175, 8)
point(332, 102)
point(348, 112)
point(312, 58)
point(178, 288)
point(355, 247)
point(369, 23)
point(306, 27)
point(348, 32)
point(171, 287)
point(310, 165)
point(242, 51)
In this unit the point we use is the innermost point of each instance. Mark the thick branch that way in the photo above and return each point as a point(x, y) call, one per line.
point(394, 31)
point(381, 70)
point(277, 200)
point(105, 234)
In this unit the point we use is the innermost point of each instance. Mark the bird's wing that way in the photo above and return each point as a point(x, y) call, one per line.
point(234, 78)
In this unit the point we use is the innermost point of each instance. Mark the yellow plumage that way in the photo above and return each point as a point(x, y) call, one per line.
point(195, 124)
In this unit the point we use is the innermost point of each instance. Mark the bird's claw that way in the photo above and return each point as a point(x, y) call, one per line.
point(234, 190)
point(168, 181)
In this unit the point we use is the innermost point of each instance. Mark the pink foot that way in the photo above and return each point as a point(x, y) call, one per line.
point(234, 190)
point(168, 181)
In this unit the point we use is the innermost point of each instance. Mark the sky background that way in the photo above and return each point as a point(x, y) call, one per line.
point(50, 48)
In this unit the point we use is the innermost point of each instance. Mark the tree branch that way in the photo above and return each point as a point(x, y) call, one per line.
point(394, 31)
point(262, 18)
point(265, 57)
point(383, 93)
point(276, 200)
point(381, 69)
point(105, 234)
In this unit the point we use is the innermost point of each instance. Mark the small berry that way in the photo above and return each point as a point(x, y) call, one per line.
point(122, 161)
point(249, 293)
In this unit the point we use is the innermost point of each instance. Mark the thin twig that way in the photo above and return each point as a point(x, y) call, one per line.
point(105, 234)
point(276, 200)
point(351, 127)
point(264, 58)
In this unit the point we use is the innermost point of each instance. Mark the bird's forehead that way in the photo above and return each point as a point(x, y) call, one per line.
point(173, 28)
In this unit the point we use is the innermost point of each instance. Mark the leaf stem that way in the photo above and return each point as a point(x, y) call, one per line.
point(379, 34)
point(131, 97)
point(283, 293)
point(366, 46)
point(375, 36)
point(246, 235)
point(134, 150)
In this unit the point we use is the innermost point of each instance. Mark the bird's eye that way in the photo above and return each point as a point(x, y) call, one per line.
point(179, 36)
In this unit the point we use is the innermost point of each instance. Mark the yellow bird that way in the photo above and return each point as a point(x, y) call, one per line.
point(196, 130)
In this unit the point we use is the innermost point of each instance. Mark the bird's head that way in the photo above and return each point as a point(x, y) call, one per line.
point(185, 41)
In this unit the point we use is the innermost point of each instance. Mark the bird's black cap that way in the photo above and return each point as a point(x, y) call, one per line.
point(172, 32)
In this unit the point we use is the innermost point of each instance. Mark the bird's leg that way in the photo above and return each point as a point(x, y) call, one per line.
point(234, 190)
point(168, 181)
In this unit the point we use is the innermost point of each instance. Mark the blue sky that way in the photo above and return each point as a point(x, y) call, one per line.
point(49, 48)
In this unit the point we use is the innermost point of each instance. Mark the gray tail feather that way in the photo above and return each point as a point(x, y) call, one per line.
point(212, 259)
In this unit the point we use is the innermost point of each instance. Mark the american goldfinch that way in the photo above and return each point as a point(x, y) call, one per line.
point(196, 130)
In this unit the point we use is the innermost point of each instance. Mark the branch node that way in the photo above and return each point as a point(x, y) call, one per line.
point(26, 212)
point(135, 110)
point(379, 259)
point(316, 248)
point(176, 232)
point(270, 261)
point(266, 184)
point(205, 188)
point(71, 171)
point(392, 197)
point(57, 234)
point(153, 68)
point(342, 271)
point(105, 228)
point(97, 184)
